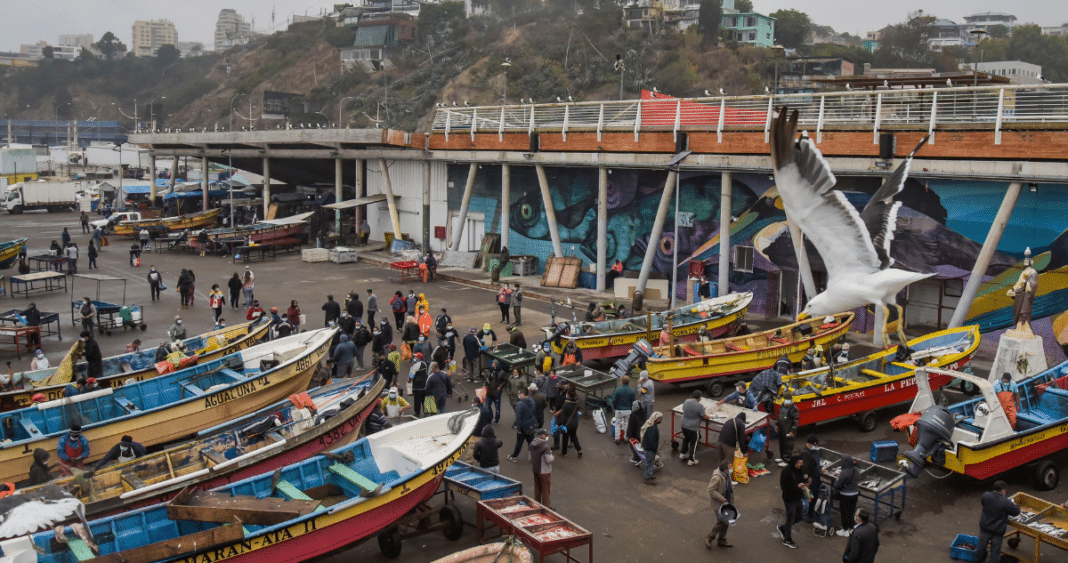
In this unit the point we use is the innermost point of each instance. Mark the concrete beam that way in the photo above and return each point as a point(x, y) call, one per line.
point(203, 182)
point(391, 203)
point(602, 228)
point(726, 194)
point(550, 211)
point(658, 229)
point(426, 206)
point(469, 187)
point(152, 173)
point(266, 185)
point(338, 195)
point(506, 203)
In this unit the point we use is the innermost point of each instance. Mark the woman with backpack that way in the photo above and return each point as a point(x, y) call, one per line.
point(399, 307)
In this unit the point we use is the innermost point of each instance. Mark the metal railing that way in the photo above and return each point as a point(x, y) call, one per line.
point(921, 109)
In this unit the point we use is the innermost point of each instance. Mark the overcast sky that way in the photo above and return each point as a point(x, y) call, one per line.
point(29, 22)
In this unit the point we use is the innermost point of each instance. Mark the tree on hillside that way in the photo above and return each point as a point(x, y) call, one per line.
point(709, 17)
point(905, 44)
point(1028, 44)
point(856, 55)
point(48, 52)
point(743, 6)
point(791, 28)
point(998, 31)
point(435, 17)
point(110, 46)
point(166, 55)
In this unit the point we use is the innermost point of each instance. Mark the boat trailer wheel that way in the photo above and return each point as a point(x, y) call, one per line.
point(454, 522)
point(868, 421)
point(389, 542)
point(1046, 475)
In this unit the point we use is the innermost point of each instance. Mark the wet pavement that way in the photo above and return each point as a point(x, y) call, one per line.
point(601, 491)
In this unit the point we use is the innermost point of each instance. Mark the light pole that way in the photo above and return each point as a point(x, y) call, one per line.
point(57, 117)
point(341, 108)
point(978, 35)
point(232, 100)
point(620, 68)
point(318, 112)
point(152, 111)
point(230, 183)
point(506, 64)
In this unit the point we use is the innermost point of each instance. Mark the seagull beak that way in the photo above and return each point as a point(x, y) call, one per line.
point(802, 316)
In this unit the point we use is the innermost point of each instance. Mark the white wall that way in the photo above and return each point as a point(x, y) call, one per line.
point(406, 178)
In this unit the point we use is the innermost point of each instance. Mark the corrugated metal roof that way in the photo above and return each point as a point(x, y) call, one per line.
point(371, 36)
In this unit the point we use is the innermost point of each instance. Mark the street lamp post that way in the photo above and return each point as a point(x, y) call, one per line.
point(152, 111)
point(978, 35)
point(621, 67)
point(341, 108)
point(506, 64)
point(318, 112)
point(232, 100)
point(57, 117)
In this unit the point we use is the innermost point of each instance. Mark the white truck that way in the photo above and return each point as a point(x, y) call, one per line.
point(108, 224)
point(50, 196)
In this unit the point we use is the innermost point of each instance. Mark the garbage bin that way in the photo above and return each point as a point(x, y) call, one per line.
point(524, 265)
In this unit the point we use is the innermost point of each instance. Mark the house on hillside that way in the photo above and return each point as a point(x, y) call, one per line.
point(750, 27)
point(376, 31)
point(944, 33)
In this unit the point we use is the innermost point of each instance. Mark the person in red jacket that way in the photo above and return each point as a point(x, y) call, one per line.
point(255, 312)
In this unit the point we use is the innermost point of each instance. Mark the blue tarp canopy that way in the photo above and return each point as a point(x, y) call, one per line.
point(212, 193)
point(137, 189)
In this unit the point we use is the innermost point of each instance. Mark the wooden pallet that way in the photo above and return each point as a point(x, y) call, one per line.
point(561, 272)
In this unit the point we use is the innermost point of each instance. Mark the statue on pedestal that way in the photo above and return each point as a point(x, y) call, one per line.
point(1023, 294)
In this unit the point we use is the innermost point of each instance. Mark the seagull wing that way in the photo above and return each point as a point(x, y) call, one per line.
point(880, 214)
point(805, 183)
point(38, 515)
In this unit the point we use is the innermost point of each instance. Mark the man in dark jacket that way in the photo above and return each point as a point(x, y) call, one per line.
point(344, 355)
point(347, 323)
point(992, 522)
point(650, 439)
point(472, 350)
point(812, 469)
point(793, 482)
point(487, 451)
point(525, 424)
point(787, 425)
point(732, 436)
point(485, 416)
point(354, 306)
point(387, 369)
point(863, 542)
point(419, 373)
point(33, 318)
point(441, 324)
point(39, 473)
point(517, 338)
point(637, 418)
point(361, 337)
point(765, 387)
point(539, 404)
point(331, 309)
point(125, 450)
point(438, 386)
point(498, 379)
point(92, 356)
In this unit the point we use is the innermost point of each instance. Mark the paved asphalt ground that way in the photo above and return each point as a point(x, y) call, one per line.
point(602, 492)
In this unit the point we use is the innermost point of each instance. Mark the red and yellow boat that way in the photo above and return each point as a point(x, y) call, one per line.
point(721, 362)
point(861, 387)
point(197, 220)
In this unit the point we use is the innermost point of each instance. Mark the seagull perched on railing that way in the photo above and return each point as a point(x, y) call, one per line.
point(722, 92)
point(855, 247)
point(708, 94)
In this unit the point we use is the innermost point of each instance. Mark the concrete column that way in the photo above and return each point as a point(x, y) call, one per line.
point(803, 267)
point(602, 227)
point(982, 262)
point(725, 195)
point(390, 202)
point(426, 206)
point(506, 203)
point(338, 163)
point(174, 171)
point(469, 187)
point(658, 229)
point(360, 211)
point(266, 185)
point(204, 182)
point(152, 176)
point(550, 211)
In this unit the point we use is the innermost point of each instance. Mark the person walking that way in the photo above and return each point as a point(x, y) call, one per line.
point(487, 451)
point(344, 354)
point(495, 384)
point(293, 314)
point(650, 440)
point(234, 285)
point(997, 508)
point(372, 306)
point(525, 424)
point(88, 314)
point(504, 301)
point(64, 237)
point(72, 258)
point(540, 403)
point(732, 436)
point(438, 388)
point(646, 390)
point(567, 420)
point(155, 282)
point(410, 302)
point(621, 401)
point(864, 541)
point(541, 462)
point(813, 469)
point(177, 332)
point(794, 484)
point(517, 305)
point(441, 324)
point(92, 254)
point(418, 375)
point(720, 492)
point(635, 421)
point(472, 351)
point(516, 382)
point(85, 222)
point(693, 414)
point(399, 308)
point(331, 311)
point(248, 286)
point(185, 287)
point(361, 337)
point(216, 299)
point(847, 490)
point(787, 424)
point(145, 238)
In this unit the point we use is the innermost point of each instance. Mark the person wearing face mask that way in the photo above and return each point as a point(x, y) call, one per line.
point(864, 541)
point(440, 323)
point(410, 334)
point(787, 424)
point(417, 375)
point(422, 346)
point(451, 336)
point(846, 487)
point(177, 330)
point(88, 313)
point(347, 323)
point(812, 469)
point(39, 361)
point(395, 404)
point(92, 356)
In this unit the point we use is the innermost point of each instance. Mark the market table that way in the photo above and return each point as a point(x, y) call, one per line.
point(48, 262)
point(509, 356)
point(883, 486)
point(12, 317)
point(1044, 521)
point(409, 269)
point(245, 252)
point(597, 384)
point(16, 333)
point(25, 284)
point(709, 431)
point(543, 531)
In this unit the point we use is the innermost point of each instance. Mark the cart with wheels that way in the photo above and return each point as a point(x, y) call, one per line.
point(109, 316)
point(1043, 521)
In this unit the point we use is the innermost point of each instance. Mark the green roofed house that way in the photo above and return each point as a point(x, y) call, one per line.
point(374, 33)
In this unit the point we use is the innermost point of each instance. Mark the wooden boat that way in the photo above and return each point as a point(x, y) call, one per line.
point(263, 232)
point(613, 338)
point(500, 552)
point(169, 407)
point(197, 220)
point(300, 512)
point(715, 362)
point(9, 252)
point(230, 452)
point(860, 387)
point(982, 442)
point(129, 368)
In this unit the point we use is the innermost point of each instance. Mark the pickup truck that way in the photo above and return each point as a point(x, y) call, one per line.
point(108, 224)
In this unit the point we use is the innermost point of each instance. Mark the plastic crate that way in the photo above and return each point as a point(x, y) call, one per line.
point(315, 255)
point(961, 554)
point(883, 451)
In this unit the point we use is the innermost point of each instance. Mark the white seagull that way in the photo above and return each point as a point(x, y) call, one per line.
point(855, 247)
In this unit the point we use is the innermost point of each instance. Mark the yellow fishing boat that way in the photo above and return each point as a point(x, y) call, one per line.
point(198, 220)
point(9, 252)
point(719, 363)
point(133, 367)
point(169, 407)
point(614, 338)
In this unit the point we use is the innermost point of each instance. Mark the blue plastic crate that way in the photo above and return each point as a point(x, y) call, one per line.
point(883, 451)
point(959, 553)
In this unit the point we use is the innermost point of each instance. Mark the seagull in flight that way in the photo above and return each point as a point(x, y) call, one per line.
point(855, 247)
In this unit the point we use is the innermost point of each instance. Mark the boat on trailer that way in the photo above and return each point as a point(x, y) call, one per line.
point(302, 511)
point(718, 363)
point(169, 407)
point(263, 232)
point(162, 226)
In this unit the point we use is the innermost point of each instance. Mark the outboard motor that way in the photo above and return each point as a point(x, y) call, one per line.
point(934, 429)
point(562, 329)
point(638, 353)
